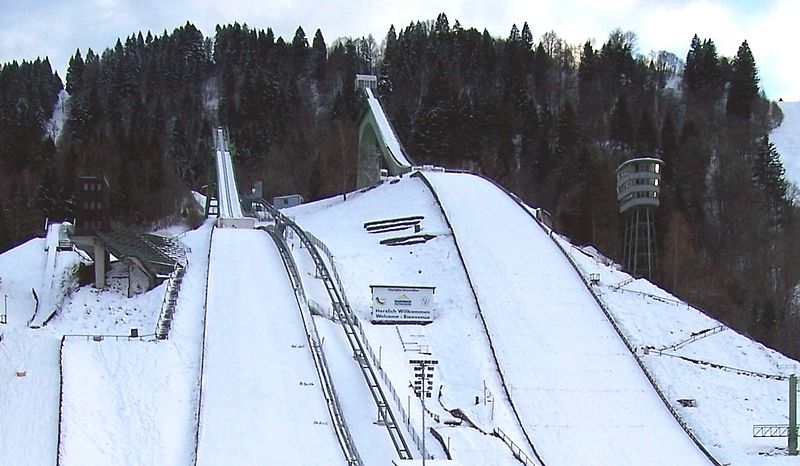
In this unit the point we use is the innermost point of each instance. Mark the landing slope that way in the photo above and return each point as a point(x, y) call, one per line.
point(581, 397)
point(261, 401)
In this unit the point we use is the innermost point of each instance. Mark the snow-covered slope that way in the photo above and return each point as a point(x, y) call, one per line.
point(735, 382)
point(729, 401)
point(261, 401)
point(560, 356)
point(137, 402)
point(456, 338)
point(787, 140)
point(120, 398)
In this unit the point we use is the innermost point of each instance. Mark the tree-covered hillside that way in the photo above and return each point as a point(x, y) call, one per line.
point(548, 119)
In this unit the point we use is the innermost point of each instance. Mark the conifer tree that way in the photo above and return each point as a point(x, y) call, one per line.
point(744, 84)
point(620, 127)
point(768, 176)
point(319, 56)
point(75, 73)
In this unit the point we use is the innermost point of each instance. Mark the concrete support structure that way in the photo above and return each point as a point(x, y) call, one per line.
point(100, 256)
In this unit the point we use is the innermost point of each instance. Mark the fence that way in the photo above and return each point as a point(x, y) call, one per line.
point(515, 449)
point(404, 416)
point(349, 321)
point(696, 336)
point(202, 354)
point(170, 302)
point(314, 341)
point(771, 430)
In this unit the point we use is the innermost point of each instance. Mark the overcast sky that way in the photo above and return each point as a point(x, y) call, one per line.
point(55, 28)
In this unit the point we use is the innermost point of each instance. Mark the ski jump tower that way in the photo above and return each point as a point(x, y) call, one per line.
point(638, 189)
point(378, 145)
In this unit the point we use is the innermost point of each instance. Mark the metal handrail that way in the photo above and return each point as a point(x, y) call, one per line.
point(170, 302)
point(697, 336)
point(349, 322)
point(406, 418)
point(771, 430)
point(515, 449)
point(198, 412)
point(312, 335)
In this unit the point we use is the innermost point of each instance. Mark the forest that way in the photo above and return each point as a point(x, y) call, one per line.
point(547, 119)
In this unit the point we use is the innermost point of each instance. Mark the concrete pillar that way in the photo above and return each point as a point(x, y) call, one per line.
point(793, 415)
point(99, 266)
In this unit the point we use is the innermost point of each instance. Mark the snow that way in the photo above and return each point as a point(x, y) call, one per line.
point(145, 388)
point(229, 205)
point(261, 398)
point(385, 129)
point(729, 402)
point(787, 140)
point(57, 279)
point(126, 402)
point(560, 357)
point(456, 338)
point(60, 113)
point(578, 392)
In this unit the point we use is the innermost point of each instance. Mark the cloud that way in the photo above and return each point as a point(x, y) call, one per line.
point(57, 27)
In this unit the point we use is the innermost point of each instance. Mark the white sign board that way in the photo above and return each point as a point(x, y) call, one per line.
point(402, 304)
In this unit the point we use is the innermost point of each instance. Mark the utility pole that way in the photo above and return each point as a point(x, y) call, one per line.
point(793, 415)
point(423, 386)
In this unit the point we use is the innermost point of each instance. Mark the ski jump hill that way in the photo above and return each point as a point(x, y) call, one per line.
point(273, 355)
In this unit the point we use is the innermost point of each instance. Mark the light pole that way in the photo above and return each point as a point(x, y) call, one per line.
point(423, 386)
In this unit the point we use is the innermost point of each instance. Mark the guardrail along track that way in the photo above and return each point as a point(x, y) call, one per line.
point(351, 328)
point(326, 381)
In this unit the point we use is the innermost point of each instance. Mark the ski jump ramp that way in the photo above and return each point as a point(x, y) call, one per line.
point(230, 207)
point(377, 142)
point(261, 399)
point(578, 392)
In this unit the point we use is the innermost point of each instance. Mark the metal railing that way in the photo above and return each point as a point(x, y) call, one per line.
point(518, 452)
point(404, 416)
point(771, 430)
point(170, 302)
point(696, 336)
point(351, 326)
point(60, 399)
point(105, 336)
point(312, 335)
point(202, 353)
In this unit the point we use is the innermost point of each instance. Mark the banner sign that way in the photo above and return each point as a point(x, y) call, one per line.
point(402, 304)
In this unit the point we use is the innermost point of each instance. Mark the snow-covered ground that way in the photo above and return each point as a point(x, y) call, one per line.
point(456, 338)
point(729, 403)
point(261, 398)
point(126, 402)
point(733, 379)
point(578, 393)
point(787, 140)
